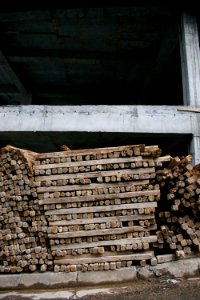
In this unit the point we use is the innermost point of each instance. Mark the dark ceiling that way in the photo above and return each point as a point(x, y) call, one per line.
point(114, 53)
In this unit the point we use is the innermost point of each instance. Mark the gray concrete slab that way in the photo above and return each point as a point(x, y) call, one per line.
point(180, 268)
point(100, 277)
point(37, 280)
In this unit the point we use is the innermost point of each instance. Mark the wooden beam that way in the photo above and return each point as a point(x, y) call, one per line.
point(94, 209)
point(149, 239)
point(93, 162)
point(95, 174)
point(76, 199)
point(21, 94)
point(73, 234)
point(91, 186)
point(101, 220)
point(86, 260)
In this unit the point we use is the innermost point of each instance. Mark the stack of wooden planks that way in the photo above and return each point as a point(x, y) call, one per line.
point(178, 213)
point(23, 226)
point(100, 205)
point(91, 209)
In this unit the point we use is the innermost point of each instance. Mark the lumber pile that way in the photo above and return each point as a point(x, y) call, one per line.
point(23, 226)
point(83, 210)
point(100, 206)
point(179, 209)
point(96, 209)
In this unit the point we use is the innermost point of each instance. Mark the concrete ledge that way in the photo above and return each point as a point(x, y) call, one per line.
point(181, 268)
point(99, 277)
point(37, 280)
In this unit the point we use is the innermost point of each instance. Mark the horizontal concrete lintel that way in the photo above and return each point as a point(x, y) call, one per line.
point(138, 119)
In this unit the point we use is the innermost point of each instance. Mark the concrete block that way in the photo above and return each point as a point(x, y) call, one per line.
point(145, 273)
point(99, 277)
point(180, 268)
point(8, 281)
point(37, 280)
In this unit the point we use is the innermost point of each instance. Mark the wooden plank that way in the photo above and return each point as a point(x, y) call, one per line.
point(101, 220)
point(102, 162)
point(87, 260)
point(116, 160)
point(189, 109)
point(80, 187)
point(100, 208)
point(89, 151)
point(96, 174)
point(165, 258)
point(162, 159)
point(100, 197)
point(66, 235)
point(149, 239)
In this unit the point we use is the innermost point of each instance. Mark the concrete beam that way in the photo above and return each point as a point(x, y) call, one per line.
point(190, 60)
point(134, 119)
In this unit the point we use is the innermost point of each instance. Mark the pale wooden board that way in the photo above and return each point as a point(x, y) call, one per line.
point(100, 208)
point(115, 258)
point(116, 160)
point(149, 239)
point(92, 151)
point(91, 186)
point(92, 162)
point(72, 234)
point(100, 197)
point(97, 174)
point(101, 220)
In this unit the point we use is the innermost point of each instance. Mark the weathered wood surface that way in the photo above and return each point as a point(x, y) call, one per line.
point(72, 234)
point(144, 161)
point(114, 258)
point(92, 162)
point(101, 220)
point(97, 174)
point(149, 239)
point(100, 208)
point(179, 228)
point(91, 186)
point(135, 148)
point(99, 197)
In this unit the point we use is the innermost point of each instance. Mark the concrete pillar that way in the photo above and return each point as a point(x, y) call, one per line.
point(190, 65)
point(190, 60)
point(194, 149)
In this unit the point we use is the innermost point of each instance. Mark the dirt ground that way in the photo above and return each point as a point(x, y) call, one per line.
point(154, 289)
